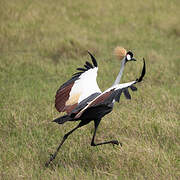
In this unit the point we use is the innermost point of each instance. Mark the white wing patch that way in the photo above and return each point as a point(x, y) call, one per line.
point(84, 86)
point(116, 87)
point(124, 85)
point(120, 86)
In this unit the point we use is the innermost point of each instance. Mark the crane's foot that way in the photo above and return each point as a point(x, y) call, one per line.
point(115, 142)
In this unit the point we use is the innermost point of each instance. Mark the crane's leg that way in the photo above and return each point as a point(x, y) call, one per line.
point(96, 124)
point(64, 138)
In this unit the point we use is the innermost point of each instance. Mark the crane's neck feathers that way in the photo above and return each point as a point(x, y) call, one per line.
point(120, 72)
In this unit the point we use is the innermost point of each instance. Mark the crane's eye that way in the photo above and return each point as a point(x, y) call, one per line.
point(128, 57)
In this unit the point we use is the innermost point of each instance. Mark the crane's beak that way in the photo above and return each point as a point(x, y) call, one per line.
point(133, 59)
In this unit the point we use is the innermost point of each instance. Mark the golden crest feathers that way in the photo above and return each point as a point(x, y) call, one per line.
point(120, 52)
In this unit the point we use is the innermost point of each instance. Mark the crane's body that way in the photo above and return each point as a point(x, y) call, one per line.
point(82, 100)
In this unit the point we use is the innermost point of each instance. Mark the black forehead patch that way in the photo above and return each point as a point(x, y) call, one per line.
point(130, 53)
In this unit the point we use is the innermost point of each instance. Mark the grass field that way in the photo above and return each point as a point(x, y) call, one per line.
point(41, 45)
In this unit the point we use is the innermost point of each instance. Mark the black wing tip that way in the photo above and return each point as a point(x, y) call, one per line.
point(86, 67)
point(133, 88)
point(117, 98)
point(143, 72)
point(89, 53)
point(89, 64)
point(93, 59)
point(126, 93)
point(81, 69)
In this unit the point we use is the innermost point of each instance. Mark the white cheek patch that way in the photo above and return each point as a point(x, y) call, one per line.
point(128, 57)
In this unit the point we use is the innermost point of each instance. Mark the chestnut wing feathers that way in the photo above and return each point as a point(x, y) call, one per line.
point(68, 95)
point(107, 98)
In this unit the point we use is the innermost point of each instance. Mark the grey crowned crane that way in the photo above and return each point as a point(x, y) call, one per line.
point(82, 100)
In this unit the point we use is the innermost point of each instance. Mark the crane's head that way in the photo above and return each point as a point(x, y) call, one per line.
point(129, 56)
point(122, 54)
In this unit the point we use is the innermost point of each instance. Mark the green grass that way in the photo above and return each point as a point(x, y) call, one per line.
point(41, 45)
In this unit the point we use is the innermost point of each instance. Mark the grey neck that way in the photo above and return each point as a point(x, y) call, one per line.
point(120, 72)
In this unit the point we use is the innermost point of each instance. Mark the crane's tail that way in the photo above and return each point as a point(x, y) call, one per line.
point(63, 119)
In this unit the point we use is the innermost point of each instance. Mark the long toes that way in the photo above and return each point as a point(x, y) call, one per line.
point(117, 142)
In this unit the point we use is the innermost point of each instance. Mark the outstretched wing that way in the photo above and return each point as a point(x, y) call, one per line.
point(79, 87)
point(113, 94)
